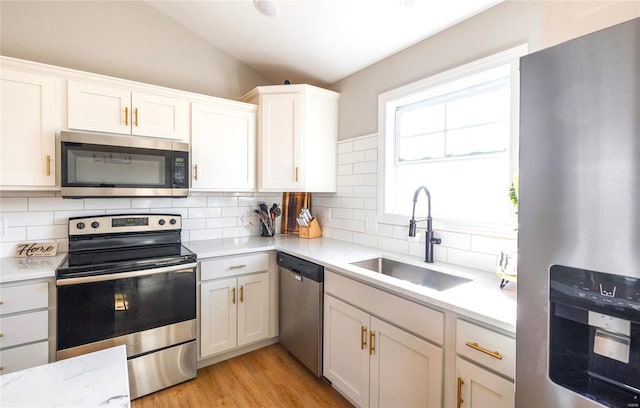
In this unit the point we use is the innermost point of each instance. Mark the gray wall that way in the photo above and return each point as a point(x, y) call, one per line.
point(124, 39)
point(501, 27)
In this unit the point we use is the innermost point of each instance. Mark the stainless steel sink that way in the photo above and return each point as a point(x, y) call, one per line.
point(411, 273)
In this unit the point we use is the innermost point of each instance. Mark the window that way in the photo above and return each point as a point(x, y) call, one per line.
point(456, 134)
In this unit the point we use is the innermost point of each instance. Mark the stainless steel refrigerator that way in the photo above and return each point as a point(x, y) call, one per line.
point(578, 330)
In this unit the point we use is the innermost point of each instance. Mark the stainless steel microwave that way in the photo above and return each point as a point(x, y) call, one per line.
point(104, 165)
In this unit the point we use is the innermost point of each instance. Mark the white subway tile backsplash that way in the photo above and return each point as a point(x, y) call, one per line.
point(13, 204)
point(225, 201)
point(342, 235)
point(365, 168)
point(345, 147)
point(394, 245)
point(14, 234)
point(470, 259)
point(150, 202)
point(357, 198)
point(54, 203)
point(353, 225)
point(345, 169)
point(371, 203)
point(235, 232)
point(371, 155)
point(116, 211)
point(365, 143)
point(192, 201)
point(353, 157)
point(15, 219)
point(205, 212)
point(236, 211)
point(222, 222)
point(353, 180)
point(106, 203)
point(194, 223)
point(45, 232)
point(201, 234)
point(342, 213)
point(353, 202)
point(365, 239)
point(454, 239)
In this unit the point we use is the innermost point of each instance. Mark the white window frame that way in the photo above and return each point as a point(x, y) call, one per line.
point(413, 92)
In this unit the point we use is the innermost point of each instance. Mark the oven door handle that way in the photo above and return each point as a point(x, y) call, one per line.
point(183, 268)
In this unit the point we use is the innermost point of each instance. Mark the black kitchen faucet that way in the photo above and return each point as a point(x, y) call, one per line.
point(429, 239)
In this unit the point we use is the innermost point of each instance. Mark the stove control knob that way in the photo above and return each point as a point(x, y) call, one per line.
point(161, 222)
point(173, 221)
point(80, 225)
point(95, 224)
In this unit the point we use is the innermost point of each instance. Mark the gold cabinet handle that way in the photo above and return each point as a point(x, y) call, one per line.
point(1, 334)
point(242, 293)
point(476, 346)
point(238, 266)
point(135, 114)
point(126, 116)
point(1, 368)
point(233, 295)
point(460, 400)
point(195, 172)
point(48, 164)
point(296, 173)
point(372, 341)
point(1, 302)
point(363, 337)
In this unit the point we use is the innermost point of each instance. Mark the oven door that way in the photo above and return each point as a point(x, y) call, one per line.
point(97, 308)
point(106, 166)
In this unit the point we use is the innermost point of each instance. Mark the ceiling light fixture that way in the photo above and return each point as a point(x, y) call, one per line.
point(267, 7)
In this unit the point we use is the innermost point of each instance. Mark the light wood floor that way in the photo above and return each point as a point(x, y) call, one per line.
point(268, 377)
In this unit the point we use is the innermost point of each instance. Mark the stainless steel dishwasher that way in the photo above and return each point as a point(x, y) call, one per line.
point(301, 305)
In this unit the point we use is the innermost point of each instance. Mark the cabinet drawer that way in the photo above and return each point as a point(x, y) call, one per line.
point(416, 318)
point(489, 348)
point(24, 328)
point(234, 265)
point(22, 357)
point(24, 297)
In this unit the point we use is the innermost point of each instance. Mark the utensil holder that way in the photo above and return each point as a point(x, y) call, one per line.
point(312, 231)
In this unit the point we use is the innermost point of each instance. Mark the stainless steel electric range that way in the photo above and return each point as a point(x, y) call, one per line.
point(128, 280)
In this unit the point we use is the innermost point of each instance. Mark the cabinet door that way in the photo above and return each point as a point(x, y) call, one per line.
point(158, 116)
point(280, 138)
point(346, 352)
point(253, 308)
point(98, 108)
point(406, 371)
point(223, 150)
point(27, 129)
point(218, 301)
point(19, 358)
point(479, 388)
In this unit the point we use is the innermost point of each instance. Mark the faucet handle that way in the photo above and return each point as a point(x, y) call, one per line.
point(436, 240)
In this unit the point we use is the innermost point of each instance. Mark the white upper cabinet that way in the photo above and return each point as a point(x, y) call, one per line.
point(27, 130)
point(223, 146)
point(118, 110)
point(297, 137)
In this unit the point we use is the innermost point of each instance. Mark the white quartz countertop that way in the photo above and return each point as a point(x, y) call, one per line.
point(90, 380)
point(18, 269)
point(481, 299)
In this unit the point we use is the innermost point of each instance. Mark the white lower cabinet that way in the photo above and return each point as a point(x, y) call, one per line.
point(376, 364)
point(24, 325)
point(234, 312)
point(480, 388)
point(485, 367)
